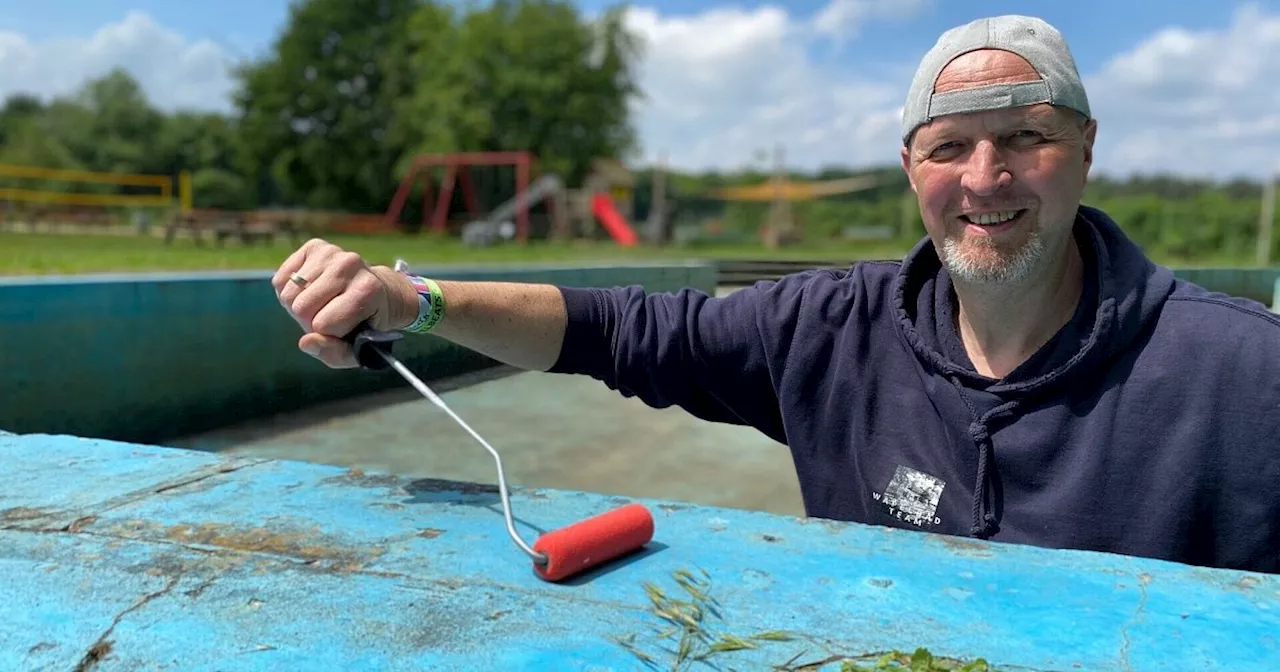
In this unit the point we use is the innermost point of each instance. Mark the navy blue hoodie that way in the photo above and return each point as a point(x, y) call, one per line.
point(1149, 425)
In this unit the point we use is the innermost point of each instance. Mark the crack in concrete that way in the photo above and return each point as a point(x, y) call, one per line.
point(189, 478)
point(311, 564)
point(1143, 580)
point(88, 514)
point(102, 647)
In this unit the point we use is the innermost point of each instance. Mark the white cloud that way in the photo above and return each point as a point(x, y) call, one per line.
point(843, 19)
point(725, 84)
point(175, 72)
point(1195, 102)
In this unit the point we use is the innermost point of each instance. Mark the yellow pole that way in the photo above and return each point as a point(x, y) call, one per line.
point(184, 190)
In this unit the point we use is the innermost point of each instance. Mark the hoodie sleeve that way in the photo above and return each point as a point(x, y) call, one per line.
point(716, 357)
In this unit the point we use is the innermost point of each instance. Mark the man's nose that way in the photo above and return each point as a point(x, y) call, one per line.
point(986, 171)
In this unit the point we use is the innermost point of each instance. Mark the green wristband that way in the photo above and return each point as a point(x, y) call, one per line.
point(430, 305)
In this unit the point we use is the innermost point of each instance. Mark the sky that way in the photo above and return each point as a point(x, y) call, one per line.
point(1190, 87)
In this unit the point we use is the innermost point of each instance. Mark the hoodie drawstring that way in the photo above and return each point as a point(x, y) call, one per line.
point(984, 518)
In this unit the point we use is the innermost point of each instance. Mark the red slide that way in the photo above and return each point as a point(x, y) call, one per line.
point(602, 207)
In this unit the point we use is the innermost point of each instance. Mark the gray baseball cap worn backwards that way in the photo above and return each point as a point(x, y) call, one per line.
point(1033, 39)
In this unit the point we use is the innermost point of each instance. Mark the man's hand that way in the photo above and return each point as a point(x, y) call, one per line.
point(340, 291)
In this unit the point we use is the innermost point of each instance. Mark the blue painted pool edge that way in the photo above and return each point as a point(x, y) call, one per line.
point(851, 587)
point(149, 357)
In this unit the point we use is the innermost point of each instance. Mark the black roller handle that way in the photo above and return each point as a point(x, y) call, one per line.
point(367, 342)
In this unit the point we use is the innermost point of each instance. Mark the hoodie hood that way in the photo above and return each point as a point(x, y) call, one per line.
point(1123, 294)
point(1122, 297)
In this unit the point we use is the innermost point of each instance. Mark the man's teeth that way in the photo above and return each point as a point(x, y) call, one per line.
point(994, 217)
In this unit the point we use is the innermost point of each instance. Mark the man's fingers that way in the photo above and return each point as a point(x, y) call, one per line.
point(291, 264)
point(343, 314)
point(339, 293)
point(310, 301)
point(315, 268)
point(334, 352)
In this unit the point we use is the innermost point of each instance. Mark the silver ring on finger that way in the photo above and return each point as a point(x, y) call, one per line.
point(298, 280)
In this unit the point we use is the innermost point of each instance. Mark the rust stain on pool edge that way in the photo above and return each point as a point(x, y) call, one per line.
point(23, 513)
point(304, 546)
point(964, 546)
point(358, 478)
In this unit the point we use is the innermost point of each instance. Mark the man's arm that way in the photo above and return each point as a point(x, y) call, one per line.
point(518, 324)
point(718, 358)
point(710, 356)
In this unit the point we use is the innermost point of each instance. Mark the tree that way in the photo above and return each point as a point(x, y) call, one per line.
point(527, 75)
point(115, 127)
point(18, 109)
point(315, 114)
point(209, 146)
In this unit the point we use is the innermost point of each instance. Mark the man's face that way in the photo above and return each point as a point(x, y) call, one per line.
point(998, 190)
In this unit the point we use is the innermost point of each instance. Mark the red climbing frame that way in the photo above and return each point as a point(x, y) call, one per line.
point(436, 218)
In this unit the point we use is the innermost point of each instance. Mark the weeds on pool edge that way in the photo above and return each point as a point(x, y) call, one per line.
point(686, 637)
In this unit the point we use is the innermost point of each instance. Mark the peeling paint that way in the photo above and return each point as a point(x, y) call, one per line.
point(20, 513)
point(443, 485)
point(832, 526)
point(1247, 583)
point(973, 548)
point(305, 546)
point(359, 478)
point(79, 524)
point(96, 654)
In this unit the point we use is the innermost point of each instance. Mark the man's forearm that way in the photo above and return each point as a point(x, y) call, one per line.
point(522, 325)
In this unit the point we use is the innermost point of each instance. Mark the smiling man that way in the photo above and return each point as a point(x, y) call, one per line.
point(999, 155)
point(1025, 374)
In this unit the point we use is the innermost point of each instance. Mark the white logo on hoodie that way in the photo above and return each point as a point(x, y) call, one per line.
point(912, 496)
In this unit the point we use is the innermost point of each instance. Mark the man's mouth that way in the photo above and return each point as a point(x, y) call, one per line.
point(993, 218)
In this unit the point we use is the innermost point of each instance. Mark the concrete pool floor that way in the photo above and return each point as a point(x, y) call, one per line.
point(553, 431)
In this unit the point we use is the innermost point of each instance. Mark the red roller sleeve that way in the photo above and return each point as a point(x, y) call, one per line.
point(593, 541)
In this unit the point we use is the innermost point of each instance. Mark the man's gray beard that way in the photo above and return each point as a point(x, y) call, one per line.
point(1007, 269)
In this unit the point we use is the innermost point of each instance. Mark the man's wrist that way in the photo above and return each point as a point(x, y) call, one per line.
point(401, 300)
point(429, 303)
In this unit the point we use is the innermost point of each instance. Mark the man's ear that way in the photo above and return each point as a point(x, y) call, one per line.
point(1090, 134)
point(906, 166)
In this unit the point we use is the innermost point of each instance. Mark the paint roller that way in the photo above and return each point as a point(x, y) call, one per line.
point(558, 554)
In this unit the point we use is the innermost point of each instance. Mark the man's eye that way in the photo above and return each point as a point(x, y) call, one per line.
point(945, 147)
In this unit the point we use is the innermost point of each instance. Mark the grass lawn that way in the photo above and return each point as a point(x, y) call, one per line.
point(30, 253)
point(40, 254)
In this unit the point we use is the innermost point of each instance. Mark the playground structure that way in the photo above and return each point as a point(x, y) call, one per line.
point(488, 197)
point(165, 206)
point(163, 198)
point(604, 201)
point(779, 228)
point(42, 198)
point(497, 226)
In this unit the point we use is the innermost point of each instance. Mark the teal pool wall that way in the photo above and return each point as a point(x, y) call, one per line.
point(149, 357)
point(1259, 284)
